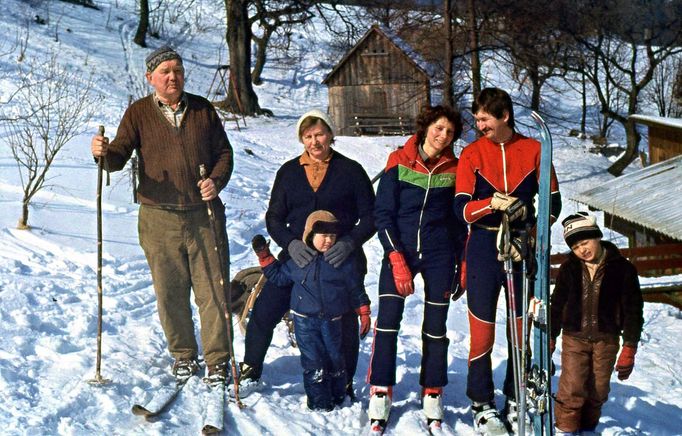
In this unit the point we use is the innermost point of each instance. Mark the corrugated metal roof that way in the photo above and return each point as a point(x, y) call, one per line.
point(650, 197)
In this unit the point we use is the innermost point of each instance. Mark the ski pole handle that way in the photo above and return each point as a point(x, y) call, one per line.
point(101, 161)
point(204, 174)
point(100, 132)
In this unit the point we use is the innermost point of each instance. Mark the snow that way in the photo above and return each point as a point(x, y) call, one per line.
point(48, 292)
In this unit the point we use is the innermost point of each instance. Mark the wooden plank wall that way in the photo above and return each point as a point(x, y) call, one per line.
point(376, 79)
point(664, 142)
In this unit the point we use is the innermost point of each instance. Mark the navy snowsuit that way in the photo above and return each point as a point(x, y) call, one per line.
point(414, 215)
point(320, 296)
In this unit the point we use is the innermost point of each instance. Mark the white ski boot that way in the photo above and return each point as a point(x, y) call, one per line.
point(487, 420)
point(511, 414)
point(432, 402)
point(380, 399)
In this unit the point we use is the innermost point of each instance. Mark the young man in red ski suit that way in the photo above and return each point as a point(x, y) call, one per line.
point(596, 300)
point(420, 234)
point(497, 174)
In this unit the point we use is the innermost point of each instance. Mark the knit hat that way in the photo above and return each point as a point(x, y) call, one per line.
point(580, 226)
point(320, 221)
point(161, 54)
point(317, 114)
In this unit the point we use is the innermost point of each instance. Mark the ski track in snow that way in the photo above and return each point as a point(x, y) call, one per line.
point(48, 294)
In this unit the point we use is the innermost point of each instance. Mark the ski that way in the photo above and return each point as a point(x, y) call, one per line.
point(214, 406)
point(161, 399)
point(538, 382)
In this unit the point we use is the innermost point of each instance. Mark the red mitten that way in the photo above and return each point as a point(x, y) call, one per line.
point(262, 249)
point(401, 274)
point(626, 361)
point(365, 321)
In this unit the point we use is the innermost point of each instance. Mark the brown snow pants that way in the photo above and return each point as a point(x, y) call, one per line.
point(180, 249)
point(586, 369)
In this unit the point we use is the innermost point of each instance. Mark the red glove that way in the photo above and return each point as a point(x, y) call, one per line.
point(626, 361)
point(401, 274)
point(262, 249)
point(365, 321)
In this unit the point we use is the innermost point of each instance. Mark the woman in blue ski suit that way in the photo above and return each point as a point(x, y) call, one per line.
point(417, 228)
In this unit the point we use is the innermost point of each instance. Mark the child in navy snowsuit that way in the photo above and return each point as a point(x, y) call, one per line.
point(321, 294)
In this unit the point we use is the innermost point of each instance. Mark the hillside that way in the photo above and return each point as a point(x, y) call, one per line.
point(48, 295)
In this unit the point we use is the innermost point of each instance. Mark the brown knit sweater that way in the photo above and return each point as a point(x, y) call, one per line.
point(170, 156)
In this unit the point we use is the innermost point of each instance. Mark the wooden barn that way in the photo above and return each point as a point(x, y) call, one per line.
point(378, 87)
point(665, 136)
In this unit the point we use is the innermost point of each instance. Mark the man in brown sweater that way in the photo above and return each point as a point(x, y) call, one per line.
point(174, 132)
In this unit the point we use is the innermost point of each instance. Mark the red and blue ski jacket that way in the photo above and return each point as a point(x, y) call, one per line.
point(512, 168)
point(414, 203)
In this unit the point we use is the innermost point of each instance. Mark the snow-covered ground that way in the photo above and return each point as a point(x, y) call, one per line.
point(48, 293)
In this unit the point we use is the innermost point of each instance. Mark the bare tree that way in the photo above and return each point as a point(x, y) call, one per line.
point(448, 55)
point(633, 39)
point(51, 105)
point(241, 98)
point(275, 16)
point(474, 48)
point(141, 33)
point(662, 89)
point(271, 16)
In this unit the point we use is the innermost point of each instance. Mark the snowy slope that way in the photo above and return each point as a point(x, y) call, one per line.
point(48, 296)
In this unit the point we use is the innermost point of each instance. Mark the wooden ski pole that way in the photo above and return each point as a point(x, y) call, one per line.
point(227, 292)
point(99, 380)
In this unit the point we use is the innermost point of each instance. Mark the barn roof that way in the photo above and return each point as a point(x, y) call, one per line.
point(425, 67)
point(649, 120)
point(649, 197)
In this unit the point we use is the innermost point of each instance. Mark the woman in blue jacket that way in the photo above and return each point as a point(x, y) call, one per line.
point(320, 178)
point(419, 233)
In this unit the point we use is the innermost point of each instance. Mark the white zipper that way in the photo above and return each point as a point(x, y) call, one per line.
point(504, 168)
point(421, 212)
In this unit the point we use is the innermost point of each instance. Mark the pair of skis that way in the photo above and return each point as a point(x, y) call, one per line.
point(533, 383)
point(539, 377)
point(163, 397)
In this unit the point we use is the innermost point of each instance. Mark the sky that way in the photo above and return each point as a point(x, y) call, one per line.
point(48, 292)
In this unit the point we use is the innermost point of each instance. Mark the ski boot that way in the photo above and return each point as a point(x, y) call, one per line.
point(218, 374)
point(511, 414)
point(184, 369)
point(380, 398)
point(432, 403)
point(487, 420)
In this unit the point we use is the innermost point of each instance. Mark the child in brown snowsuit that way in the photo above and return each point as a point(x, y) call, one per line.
point(597, 299)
